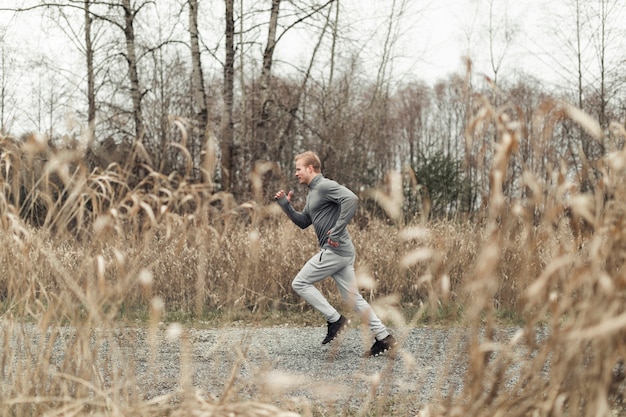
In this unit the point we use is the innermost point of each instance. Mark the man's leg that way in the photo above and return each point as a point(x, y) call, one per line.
point(346, 282)
point(320, 266)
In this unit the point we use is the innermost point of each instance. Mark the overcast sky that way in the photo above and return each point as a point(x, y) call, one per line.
point(431, 38)
point(435, 35)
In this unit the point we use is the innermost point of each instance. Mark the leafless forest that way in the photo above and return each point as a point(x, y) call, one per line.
point(217, 105)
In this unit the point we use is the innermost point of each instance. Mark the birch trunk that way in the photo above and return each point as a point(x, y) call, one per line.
point(133, 74)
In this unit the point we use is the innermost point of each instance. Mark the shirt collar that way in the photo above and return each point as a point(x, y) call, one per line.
point(315, 180)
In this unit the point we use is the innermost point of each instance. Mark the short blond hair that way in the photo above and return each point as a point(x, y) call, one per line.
point(310, 158)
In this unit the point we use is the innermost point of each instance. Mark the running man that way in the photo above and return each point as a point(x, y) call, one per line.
point(329, 208)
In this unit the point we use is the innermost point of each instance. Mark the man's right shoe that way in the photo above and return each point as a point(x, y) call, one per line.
point(388, 344)
point(335, 328)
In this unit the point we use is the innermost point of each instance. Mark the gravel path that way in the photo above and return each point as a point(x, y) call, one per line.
point(285, 366)
point(291, 362)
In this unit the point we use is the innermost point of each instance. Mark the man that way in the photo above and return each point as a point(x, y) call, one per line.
point(329, 208)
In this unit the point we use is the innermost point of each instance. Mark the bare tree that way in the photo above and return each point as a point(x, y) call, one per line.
point(91, 84)
point(587, 55)
point(64, 14)
point(66, 23)
point(501, 33)
point(226, 128)
point(102, 11)
point(7, 66)
point(199, 95)
point(122, 15)
point(197, 74)
point(412, 106)
point(331, 71)
point(261, 128)
point(268, 54)
point(130, 13)
point(607, 35)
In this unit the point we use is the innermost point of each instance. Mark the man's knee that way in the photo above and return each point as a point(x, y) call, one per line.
point(298, 284)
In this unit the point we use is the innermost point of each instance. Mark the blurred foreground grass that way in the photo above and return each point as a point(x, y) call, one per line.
point(86, 250)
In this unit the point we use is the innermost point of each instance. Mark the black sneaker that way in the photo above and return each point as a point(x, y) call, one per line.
point(379, 347)
point(335, 328)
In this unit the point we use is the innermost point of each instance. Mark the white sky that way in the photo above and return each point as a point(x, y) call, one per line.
point(436, 35)
point(433, 38)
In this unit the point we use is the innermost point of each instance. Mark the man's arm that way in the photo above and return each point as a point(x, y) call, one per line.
point(301, 219)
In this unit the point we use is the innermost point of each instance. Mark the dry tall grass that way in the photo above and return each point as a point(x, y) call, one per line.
point(105, 253)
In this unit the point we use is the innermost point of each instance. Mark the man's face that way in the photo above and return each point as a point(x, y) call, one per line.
point(304, 173)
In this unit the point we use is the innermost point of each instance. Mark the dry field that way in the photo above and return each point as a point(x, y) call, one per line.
point(98, 276)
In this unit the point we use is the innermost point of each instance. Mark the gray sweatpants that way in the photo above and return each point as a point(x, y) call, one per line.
point(326, 264)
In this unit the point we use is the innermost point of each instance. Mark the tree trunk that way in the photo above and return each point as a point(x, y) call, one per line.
point(91, 89)
point(268, 54)
point(226, 128)
point(3, 89)
point(197, 77)
point(261, 137)
point(133, 74)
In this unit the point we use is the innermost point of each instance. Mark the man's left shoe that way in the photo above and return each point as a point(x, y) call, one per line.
point(388, 344)
point(335, 328)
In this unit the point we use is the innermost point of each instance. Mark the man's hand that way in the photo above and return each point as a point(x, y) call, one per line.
point(280, 194)
point(332, 242)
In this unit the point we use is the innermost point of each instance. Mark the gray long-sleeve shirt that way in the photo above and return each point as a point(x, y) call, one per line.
point(329, 207)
